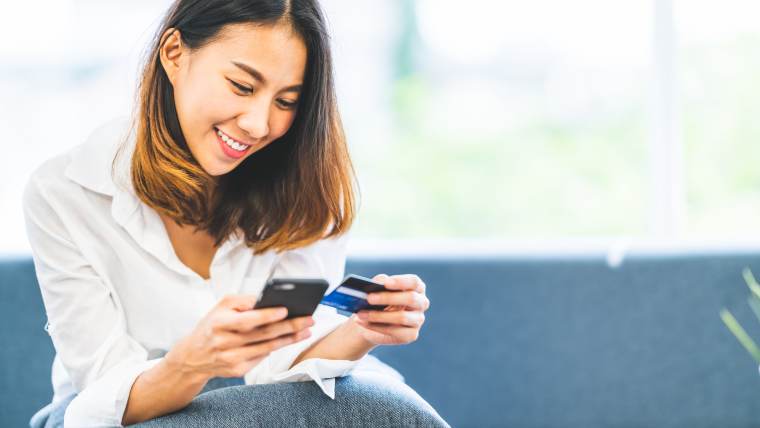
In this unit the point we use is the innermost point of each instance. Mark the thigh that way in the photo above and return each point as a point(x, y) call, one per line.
point(361, 400)
point(52, 415)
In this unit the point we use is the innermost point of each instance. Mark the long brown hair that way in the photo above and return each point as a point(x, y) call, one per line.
point(293, 192)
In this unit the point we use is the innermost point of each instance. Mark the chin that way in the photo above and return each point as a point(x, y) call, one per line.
point(216, 172)
point(215, 169)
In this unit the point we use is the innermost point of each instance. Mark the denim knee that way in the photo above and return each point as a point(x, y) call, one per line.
point(363, 399)
point(382, 401)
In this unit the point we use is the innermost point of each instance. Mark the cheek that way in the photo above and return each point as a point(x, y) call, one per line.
point(280, 123)
point(201, 105)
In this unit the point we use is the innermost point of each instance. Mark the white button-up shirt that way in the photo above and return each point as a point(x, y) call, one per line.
point(117, 297)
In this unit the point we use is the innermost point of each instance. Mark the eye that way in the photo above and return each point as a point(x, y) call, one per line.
point(287, 105)
point(242, 88)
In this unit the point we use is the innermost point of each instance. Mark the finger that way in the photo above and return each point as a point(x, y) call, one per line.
point(380, 278)
point(274, 330)
point(260, 349)
point(246, 321)
point(238, 302)
point(402, 282)
point(403, 333)
point(409, 299)
point(405, 318)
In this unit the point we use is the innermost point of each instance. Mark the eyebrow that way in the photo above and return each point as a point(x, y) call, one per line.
point(260, 77)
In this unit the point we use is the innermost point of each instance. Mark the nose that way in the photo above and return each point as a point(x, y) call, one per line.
point(255, 121)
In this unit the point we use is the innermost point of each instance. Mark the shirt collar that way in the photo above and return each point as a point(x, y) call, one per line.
point(91, 162)
point(91, 166)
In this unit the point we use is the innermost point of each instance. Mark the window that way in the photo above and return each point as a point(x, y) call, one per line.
point(505, 119)
point(500, 120)
point(719, 97)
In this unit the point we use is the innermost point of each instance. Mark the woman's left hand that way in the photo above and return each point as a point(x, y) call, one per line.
point(403, 316)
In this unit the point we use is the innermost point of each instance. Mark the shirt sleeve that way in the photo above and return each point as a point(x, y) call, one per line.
point(323, 259)
point(85, 319)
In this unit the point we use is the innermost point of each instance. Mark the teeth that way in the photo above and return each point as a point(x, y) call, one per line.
point(230, 142)
point(236, 146)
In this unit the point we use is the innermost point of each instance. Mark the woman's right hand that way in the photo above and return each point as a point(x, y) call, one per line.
point(233, 338)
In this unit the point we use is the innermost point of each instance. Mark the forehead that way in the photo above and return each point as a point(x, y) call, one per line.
point(275, 50)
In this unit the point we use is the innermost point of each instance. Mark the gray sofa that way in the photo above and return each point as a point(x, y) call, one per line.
point(520, 340)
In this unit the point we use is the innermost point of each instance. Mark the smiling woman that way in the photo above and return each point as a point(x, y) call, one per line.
point(152, 240)
point(209, 102)
point(278, 51)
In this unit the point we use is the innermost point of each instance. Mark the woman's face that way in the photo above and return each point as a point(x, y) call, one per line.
point(237, 94)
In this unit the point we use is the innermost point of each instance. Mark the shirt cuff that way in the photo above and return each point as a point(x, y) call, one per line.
point(102, 403)
point(322, 371)
point(276, 367)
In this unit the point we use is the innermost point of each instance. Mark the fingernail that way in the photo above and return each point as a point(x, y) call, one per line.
point(361, 315)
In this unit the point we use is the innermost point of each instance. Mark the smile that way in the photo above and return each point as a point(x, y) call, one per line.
point(232, 148)
point(231, 142)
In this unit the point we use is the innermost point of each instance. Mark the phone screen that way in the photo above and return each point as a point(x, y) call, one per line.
point(300, 295)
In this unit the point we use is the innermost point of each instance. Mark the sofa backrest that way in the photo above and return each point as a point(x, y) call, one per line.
point(26, 352)
point(514, 340)
point(571, 341)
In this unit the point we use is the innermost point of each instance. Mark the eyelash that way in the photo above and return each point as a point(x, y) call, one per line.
point(247, 91)
point(240, 87)
point(287, 104)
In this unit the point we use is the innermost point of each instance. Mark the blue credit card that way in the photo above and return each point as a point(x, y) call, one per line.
point(351, 295)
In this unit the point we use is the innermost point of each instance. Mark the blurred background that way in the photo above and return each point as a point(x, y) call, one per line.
point(480, 124)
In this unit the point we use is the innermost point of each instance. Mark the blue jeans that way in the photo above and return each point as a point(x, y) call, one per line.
point(362, 399)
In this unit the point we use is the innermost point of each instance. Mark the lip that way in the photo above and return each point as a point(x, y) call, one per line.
point(234, 154)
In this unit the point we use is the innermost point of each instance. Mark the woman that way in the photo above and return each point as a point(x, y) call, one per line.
point(153, 240)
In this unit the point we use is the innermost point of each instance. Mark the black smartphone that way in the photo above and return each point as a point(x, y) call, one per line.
point(300, 295)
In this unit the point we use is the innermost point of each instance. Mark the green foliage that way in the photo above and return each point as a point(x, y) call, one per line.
point(754, 303)
point(545, 178)
point(513, 162)
point(721, 133)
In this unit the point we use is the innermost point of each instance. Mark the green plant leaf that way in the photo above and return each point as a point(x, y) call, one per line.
point(754, 303)
point(740, 334)
point(751, 282)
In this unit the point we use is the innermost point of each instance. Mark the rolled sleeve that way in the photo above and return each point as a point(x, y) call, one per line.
point(324, 259)
point(85, 320)
point(103, 402)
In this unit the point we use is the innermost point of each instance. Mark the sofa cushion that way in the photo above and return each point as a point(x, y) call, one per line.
point(520, 340)
point(567, 340)
point(26, 352)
